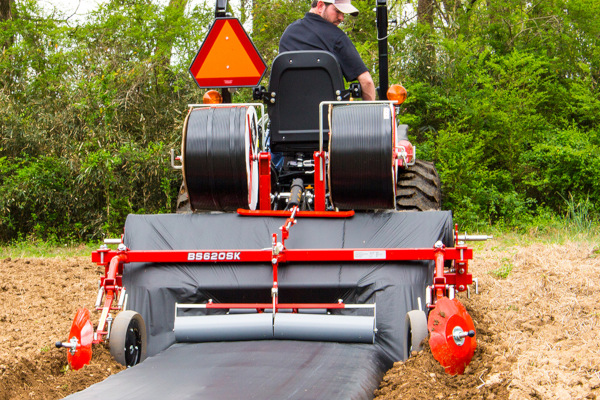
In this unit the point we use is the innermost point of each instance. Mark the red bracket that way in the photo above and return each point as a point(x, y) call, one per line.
point(319, 159)
point(264, 179)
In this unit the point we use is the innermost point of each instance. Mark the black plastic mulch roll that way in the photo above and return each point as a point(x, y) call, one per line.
point(215, 158)
point(361, 173)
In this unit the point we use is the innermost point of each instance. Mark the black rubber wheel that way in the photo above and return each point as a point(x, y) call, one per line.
point(419, 188)
point(415, 329)
point(128, 338)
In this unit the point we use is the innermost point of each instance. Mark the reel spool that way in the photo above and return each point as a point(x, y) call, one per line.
point(361, 169)
point(220, 167)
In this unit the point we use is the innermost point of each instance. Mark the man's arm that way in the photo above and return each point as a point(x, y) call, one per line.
point(367, 86)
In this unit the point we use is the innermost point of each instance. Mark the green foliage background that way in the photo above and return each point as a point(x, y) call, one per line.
point(503, 96)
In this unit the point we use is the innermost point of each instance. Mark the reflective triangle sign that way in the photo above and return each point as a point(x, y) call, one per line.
point(227, 57)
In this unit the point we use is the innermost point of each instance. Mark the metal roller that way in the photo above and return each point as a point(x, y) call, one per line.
point(361, 167)
point(325, 328)
point(287, 326)
point(219, 167)
point(217, 328)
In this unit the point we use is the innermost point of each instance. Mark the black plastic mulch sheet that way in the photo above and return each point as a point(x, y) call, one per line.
point(351, 370)
point(248, 370)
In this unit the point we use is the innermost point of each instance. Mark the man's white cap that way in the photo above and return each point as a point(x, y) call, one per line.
point(344, 6)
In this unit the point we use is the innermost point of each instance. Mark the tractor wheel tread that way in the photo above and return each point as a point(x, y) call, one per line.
point(411, 174)
point(419, 188)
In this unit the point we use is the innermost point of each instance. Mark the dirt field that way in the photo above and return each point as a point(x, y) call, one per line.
point(536, 314)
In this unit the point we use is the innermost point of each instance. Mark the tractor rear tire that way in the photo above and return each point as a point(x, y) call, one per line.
point(415, 329)
point(419, 188)
point(128, 339)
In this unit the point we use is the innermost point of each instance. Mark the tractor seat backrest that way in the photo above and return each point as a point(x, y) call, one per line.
point(300, 80)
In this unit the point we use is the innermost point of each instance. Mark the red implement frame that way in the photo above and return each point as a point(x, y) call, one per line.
point(443, 279)
point(111, 287)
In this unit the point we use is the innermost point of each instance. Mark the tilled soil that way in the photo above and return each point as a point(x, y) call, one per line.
point(536, 315)
point(537, 320)
point(38, 300)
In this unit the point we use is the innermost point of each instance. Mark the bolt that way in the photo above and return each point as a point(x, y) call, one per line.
point(459, 335)
point(461, 271)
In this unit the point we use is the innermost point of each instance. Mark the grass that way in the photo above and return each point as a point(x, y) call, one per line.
point(580, 223)
point(41, 249)
point(504, 270)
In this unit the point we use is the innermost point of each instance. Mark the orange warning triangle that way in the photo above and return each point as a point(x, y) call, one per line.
point(227, 58)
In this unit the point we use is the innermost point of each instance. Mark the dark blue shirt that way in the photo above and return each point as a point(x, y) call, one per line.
point(313, 32)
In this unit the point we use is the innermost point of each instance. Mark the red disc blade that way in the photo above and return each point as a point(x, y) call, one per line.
point(83, 331)
point(443, 320)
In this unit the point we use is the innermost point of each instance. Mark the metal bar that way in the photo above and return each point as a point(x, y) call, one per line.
point(291, 255)
point(280, 306)
point(249, 306)
point(474, 238)
point(324, 305)
point(287, 213)
point(382, 33)
point(176, 167)
point(121, 298)
point(226, 95)
point(220, 8)
point(99, 297)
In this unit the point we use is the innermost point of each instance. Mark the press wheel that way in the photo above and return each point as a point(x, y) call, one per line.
point(415, 328)
point(128, 340)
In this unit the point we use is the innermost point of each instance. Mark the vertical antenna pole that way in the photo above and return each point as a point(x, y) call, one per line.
point(382, 33)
